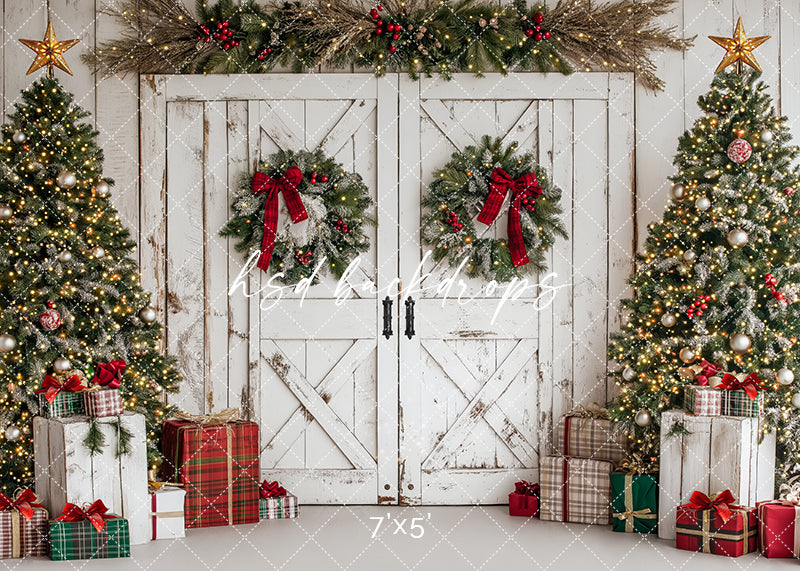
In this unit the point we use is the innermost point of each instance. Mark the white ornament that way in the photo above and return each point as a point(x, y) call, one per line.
point(102, 189)
point(765, 135)
point(668, 320)
point(643, 418)
point(677, 191)
point(740, 342)
point(98, 252)
point(13, 433)
point(61, 364)
point(18, 137)
point(687, 355)
point(796, 400)
point(628, 374)
point(7, 343)
point(737, 237)
point(148, 315)
point(702, 203)
point(65, 256)
point(6, 213)
point(785, 376)
point(739, 151)
point(689, 256)
point(66, 179)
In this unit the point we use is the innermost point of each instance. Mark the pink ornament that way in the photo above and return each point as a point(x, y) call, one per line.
point(739, 150)
point(50, 319)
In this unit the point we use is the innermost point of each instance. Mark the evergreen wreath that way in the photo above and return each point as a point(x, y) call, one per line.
point(474, 184)
point(328, 213)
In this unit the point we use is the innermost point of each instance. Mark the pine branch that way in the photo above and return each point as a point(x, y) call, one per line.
point(95, 440)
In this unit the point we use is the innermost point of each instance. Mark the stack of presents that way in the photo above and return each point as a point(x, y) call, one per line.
point(713, 492)
point(99, 496)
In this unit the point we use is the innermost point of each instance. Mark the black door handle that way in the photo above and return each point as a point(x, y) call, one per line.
point(410, 317)
point(387, 317)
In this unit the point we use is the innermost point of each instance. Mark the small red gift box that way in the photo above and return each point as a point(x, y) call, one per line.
point(779, 528)
point(716, 526)
point(103, 402)
point(524, 500)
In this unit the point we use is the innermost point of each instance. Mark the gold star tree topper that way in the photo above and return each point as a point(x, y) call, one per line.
point(739, 49)
point(49, 52)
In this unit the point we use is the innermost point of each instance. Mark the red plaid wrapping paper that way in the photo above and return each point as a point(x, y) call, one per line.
point(575, 490)
point(103, 402)
point(704, 530)
point(778, 529)
point(218, 465)
point(22, 538)
point(702, 401)
point(592, 438)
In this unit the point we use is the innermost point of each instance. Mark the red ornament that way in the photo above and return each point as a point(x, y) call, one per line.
point(378, 30)
point(395, 36)
point(390, 27)
point(380, 8)
point(324, 178)
point(538, 37)
point(50, 319)
point(538, 17)
point(392, 49)
point(529, 32)
point(547, 35)
point(739, 150)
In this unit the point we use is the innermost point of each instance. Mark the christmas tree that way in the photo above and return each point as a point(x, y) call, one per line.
point(718, 278)
point(70, 290)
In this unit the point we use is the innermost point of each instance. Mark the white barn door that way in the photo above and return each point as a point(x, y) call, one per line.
point(479, 398)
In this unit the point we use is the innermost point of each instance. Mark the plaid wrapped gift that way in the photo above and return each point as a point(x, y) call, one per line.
point(279, 507)
point(218, 465)
point(88, 534)
point(742, 397)
point(23, 526)
point(702, 401)
point(103, 402)
point(634, 502)
point(166, 510)
point(62, 395)
point(524, 500)
point(717, 527)
point(576, 490)
point(589, 437)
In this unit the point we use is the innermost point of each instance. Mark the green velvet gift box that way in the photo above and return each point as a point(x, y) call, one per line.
point(634, 502)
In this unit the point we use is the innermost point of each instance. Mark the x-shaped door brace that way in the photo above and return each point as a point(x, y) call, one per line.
point(314, 406)
point(482, 403)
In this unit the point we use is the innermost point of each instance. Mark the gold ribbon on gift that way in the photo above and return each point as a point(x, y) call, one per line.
point(16, 533)
point(707, 535)
point(590, 411)
point(629, 515)
point(166, 514)
point(635, 464)
point(155, 486)
point(222, 417)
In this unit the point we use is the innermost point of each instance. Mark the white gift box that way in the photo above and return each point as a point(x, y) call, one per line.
point(166, 513)
point(712, 454)
point(66, 471)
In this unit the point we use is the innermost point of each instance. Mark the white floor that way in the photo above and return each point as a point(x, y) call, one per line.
point(340, 537)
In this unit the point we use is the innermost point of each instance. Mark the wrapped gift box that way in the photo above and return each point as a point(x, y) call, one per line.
point(524, 500)
point(779, 529)
point(218, 465)
point(103, 402)
point(64, 405)
point(738, 403)
point(575, 490)
point(166, 512)
point(20, 536)
point(594, 438)
point(280, 507)
point(66, 471)
point(634, 502)
point(702, 401)
point(80, 540)
point(706, 531)
point(709, 454)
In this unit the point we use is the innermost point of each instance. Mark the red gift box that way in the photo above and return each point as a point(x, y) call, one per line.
point(717, 527)
point(218, 465)
point(524, 500)
point(779, 528)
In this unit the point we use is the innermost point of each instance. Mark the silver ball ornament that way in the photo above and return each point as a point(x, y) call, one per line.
point(702, 203)
point(668, 320)
point(98, 252)
point(65, 256)
point(689, 256)
point(102, 189)
point(643, 418)
point(737, 237)
point(7, 343)
point(61, 365)
point(66, 179)
point(677, 191)
point(6, 213)
point(687, 355)
point(785, 376)
point(148, 315)
point(740, 342)
point(765, 135)
point(18, 137)
point(796, 400)
point(628, 374)
point(13, 433)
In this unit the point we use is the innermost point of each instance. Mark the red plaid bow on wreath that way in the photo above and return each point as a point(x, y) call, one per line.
point(52, 386)
point(287, 185)
point(24, 503)
point(95, 513)
point(721, 503)
point(751, 385)
point(523, 187)
point(271, 490)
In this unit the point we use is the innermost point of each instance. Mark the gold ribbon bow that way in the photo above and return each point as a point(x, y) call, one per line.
point(635, 464)
point(222, 417)
point(629, 515)
point(590, 411)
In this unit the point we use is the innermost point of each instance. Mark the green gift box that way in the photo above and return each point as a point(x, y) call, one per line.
point(280, 507)
point(65, 404)
point(80, 540)
point(739, 403)
point(634, 502)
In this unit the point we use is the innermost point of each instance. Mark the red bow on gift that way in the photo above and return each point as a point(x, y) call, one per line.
point(707, 370)
point(526, 488)
point(721, 503)
point(109, 374)
point(95, 513)
point(287, 184)
point(272, 490)
point(499, 185)
point(24, 502)
point(750, 385)
point(51, 387)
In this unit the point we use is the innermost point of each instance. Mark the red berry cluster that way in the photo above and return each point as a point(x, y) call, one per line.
point(342, 227)
point(536, 32)
point(698, 306)
point(452, 220)
point(265, 52)
point(222, 34)
point(314, 178)
point(772, 281)
point(380, 25)
point(303, 258)
point(530, 194)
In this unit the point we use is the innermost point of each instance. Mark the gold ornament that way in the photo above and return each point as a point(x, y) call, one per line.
point(739, 49)
point(49, 52)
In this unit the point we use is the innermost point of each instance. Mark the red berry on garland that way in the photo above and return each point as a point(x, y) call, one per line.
point(324, 178)
point(390, 27)
point(538, 37)
point(219, 25)
point(380, 8)
point(226, 46)
point(392, 49)
point(538, 28)
point(538, 17)
point(529, 32)
point(779, 296)
point(395, 36)
point(547, 35)
point(225, 23)
point(379, 23)
point(261, 56)
point(207, 39)
point(378, 30)
point(374, 14)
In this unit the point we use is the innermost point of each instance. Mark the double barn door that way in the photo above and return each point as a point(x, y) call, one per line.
point(452, 407)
